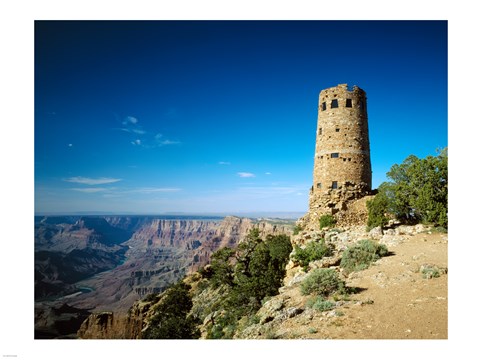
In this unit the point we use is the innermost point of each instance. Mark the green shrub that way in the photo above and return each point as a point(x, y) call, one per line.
point(171, 319)
point(312, 251)
point(327, 220)
point(201, 285)
point(320, 304)
point(431, 271)
point(152, 297)
point(323, 282)
point(224, 326)
point(439, 229)
point(361, 255)
point(297, 229)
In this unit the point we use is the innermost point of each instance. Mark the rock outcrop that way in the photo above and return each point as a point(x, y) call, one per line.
point(107, 325)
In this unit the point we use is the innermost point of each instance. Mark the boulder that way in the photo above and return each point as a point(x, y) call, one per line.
point(376, 233)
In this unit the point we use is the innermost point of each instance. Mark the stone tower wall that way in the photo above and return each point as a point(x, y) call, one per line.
point(342, 151)
point(342, 169)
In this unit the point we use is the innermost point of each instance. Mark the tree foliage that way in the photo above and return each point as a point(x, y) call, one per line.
point(245, 276)
point(259, 270)
point(253, 271)
point(379, 207)
point(417, 192)
point(171, 319)
point(314, 250)
point(221, 267)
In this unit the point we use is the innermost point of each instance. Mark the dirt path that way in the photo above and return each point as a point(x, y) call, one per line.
point(396, 302)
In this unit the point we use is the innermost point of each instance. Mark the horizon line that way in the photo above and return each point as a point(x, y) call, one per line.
point(287, 214)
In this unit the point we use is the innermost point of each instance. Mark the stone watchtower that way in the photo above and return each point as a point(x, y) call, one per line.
point(342, 170)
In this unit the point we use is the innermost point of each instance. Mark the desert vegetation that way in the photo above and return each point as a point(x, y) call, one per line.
point(361, 255)
point(322, 282)
point(171, 319)
point(417, 192)
point(327, 220)
point(232, 288)
point(314, 250)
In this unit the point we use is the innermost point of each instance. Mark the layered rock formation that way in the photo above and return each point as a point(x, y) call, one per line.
point(161, 252)
point(110, 325)
point(68, 250)
point(121, 259)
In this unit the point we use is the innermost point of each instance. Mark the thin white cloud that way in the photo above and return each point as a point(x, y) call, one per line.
point(117, 192)
point(268, 173)
point(144, 139)
point(168, 142)
point(89, 190)
point(160, 141)
point(245, 175)
point(130, 120)
point(224, 163)
point(148, 190)
point(134, 131)
point(130, 125)
point(91, 181)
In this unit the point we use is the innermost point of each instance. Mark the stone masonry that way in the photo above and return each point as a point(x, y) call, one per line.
point(342, 170)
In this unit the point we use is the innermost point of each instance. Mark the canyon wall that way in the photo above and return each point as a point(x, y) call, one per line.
point(106, 263)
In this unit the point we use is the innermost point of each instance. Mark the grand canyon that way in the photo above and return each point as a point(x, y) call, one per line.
point(90, 264)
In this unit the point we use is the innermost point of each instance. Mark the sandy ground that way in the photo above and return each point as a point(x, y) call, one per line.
point(395, 301)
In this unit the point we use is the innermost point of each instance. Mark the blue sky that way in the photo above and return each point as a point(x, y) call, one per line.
point(220, 116)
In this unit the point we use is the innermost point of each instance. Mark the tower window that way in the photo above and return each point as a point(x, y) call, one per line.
point(349, 103)
point(337, 130)
point(319, 185)
point(324, 106)
point(320, 131)
point(334, 185)
point(334, 104)
point(334, 155)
